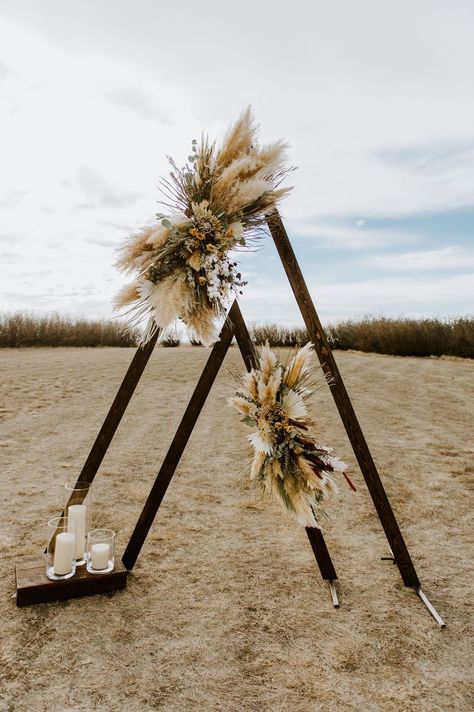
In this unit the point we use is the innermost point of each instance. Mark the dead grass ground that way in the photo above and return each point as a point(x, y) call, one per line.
point(225, 609)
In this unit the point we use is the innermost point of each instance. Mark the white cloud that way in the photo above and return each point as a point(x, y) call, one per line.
point(375, 98)
point(352, 237)
point(98, 192)
point(398, 297)
point(350, 84)
point(405, 297)
point(446, 258)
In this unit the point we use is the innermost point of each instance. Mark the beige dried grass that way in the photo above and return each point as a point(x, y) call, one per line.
point(288, 464)
point(219, 201)
point(226, 610)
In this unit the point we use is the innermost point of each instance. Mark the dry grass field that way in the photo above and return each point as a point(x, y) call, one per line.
point(225, 609)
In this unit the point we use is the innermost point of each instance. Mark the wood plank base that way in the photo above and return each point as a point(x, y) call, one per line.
point(33, 586)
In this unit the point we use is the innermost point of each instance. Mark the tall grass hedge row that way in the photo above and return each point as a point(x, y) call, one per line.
point(18, 330)
point(278, 335)
point(406, 337)
point(397, 337)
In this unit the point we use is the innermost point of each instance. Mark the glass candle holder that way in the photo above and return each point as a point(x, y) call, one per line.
point(100, 551)
point(79, 509)
point(61, 550)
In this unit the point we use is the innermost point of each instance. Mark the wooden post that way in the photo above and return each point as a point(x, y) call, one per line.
point(343, 403)
point(244, 342)
point(117, 409)
point(315, 536)
point(179, 442)
point(320, 550)
point(114, 416)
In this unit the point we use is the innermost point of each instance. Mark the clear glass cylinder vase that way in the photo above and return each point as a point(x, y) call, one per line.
point(100, 551)
point(61, 549)
point(79, 509)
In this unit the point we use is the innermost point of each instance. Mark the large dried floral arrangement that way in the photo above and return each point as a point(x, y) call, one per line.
point(217, 203)
point(288, 464)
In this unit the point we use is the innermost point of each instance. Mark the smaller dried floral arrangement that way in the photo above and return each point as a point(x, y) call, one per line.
point(288, 464)
point(217, 203)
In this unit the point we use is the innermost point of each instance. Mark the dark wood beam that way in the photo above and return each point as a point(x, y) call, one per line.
point(343, 402)
point(176, 449)
point(315, 536)
point(117, 409)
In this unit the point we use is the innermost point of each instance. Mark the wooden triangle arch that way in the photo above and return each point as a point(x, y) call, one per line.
point(235, 326)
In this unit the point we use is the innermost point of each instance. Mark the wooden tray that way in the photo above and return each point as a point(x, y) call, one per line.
point(33, 586)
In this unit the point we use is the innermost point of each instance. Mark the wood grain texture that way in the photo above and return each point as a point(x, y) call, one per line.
point(33, 586)
point(244, 342)
point(342, 400)
point(249, 355)
point(180, 440)
point(117, 409)
point(320, 551)
point(114, 416)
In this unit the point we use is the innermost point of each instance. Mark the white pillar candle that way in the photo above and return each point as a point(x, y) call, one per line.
point(64, 551)
point(77, 514)
point(100, 556)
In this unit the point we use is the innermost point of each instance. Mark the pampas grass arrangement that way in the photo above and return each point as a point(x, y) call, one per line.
point(288, 464)
point(171, 338)
point(217, 203)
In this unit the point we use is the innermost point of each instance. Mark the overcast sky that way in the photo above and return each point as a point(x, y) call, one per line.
point(375, 97)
